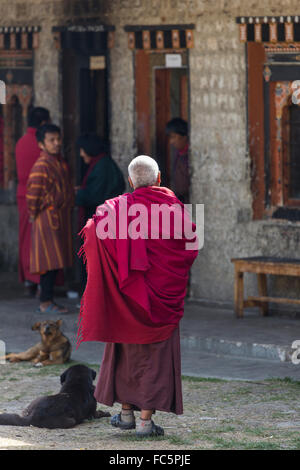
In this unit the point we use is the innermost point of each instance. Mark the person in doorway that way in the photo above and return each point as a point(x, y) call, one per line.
point(134, 300)
point(50, 198)
point(103, 178)
point(177, 131)
point(27, 152)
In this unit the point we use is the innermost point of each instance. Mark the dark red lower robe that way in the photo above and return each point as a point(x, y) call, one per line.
point(146, 376)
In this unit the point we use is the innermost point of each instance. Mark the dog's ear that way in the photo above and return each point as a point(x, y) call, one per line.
point(59, 323)
point(36, 326)
point(93, 374)
point(63, 376)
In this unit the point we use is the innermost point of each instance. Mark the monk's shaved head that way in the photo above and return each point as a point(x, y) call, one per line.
point(143, 171)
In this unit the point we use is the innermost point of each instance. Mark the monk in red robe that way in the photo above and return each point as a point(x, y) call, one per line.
point(137, 271)
point(50, 198)
point(27, 152)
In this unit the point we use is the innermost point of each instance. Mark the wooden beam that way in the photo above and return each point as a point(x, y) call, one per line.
point(263, 291)
point(142, 81)
point(256, 58)
point(239, 293)
point(262, 299)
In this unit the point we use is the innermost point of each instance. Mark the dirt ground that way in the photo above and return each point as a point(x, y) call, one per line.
point(217, 415)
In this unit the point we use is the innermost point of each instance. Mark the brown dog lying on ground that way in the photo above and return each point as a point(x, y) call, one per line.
point(74, 403)
point(54, 348)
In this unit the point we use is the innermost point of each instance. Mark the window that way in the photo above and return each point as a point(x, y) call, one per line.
point(291, 155)
point(273, 130)
point(17, 46)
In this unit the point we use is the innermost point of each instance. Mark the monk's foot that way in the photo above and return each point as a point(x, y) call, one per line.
point(147, 428)
point(123, 420)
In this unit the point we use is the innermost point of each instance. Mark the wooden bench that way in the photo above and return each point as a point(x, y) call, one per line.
point(262, 266)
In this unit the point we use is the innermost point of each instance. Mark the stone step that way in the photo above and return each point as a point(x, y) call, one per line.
point(21, 313)
point(271, 352)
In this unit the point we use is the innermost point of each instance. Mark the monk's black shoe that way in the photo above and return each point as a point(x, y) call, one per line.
point(117, 422)
point(153, 431)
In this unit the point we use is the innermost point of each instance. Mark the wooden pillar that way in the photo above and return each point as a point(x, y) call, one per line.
point(7, 146)
point(142, 79)
point(239, 293)
point(263, 292)
point(256, 58)
point(162, 116)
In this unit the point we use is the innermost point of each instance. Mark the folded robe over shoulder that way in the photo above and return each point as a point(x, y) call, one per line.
point(136, 286)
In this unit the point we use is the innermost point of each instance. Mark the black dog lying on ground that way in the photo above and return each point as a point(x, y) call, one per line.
point(74, 403)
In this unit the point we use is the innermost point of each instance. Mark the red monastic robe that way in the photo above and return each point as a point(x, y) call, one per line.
point(27, 153)
point(136, 287)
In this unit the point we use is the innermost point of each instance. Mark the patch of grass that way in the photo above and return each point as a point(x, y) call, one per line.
point(235, 444)
point(220, 442)
point(260, 432)
point(177, 440)
point(17, 397)
point(55, 369)
point(190, 378)
point(279, 397)
point(243, 391)
point(296, 443)
point(279, 415)
point(47, 394)
point(260, 446)
point(224, 429)
point(285, 380)
point(134, 438)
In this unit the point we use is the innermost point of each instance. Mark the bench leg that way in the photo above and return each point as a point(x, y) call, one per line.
point(239, 294)
point(263, 292)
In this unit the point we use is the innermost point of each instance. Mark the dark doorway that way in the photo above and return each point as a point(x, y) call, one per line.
point(85, 103)
point(93, 103)
point(85, 110)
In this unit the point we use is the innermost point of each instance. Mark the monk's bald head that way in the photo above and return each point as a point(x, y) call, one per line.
point(143, 171)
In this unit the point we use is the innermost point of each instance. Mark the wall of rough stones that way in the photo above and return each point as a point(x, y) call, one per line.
point(220, 161)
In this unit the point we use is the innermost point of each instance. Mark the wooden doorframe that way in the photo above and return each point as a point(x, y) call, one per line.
point(162, 116)
point(73, 124)
point(256, 125)
point(143, 101)
point(145, 77)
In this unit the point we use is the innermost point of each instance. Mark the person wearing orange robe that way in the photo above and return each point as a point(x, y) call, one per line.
point(27, 152)
point(50, 198)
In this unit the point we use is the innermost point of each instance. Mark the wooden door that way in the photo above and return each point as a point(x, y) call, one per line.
point(161, 94)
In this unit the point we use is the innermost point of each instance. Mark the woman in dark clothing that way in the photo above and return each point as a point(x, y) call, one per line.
point(177, 130)
point(102, 180)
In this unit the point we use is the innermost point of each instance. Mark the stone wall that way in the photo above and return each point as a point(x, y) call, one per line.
point(220, 162)
point(9, 237)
